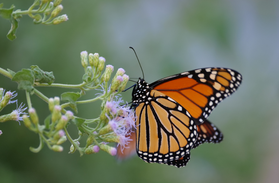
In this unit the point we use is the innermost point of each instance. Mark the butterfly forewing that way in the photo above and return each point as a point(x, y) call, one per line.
point(199, 91)
point(165, 130)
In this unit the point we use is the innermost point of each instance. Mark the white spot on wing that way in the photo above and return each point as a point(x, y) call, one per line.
point(198, 71)
point(201, 75)
point(179, 108)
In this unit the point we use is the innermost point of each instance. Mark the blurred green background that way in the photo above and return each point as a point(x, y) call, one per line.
point(170, 37)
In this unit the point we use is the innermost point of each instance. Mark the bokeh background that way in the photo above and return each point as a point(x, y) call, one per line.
point(169, 36)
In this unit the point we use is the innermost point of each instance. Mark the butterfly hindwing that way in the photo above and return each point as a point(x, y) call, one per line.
point(180, 162)
point(208, 132)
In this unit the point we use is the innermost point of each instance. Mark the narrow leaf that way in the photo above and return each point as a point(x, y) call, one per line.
point(14, 25)
point(47, 121)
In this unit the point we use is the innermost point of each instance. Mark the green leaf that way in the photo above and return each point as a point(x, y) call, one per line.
point(5, 12)
point(14, 25)
point(86, 78)
point(25, 79)
point(78, 121)
point(47, 121)
point(70, 96)
point(42, 76)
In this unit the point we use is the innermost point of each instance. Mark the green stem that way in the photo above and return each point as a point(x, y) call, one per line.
point(29, 103)
point(90, 100)
point(63, 106)
point(89, 131)
point(43, 7)
point(5, 73)
point(72, 141)
point(30, 10)
point(40, 95)
point(99, 124)
point(79, 86)
point(92, 121)
point(46, 141)
point(36, 150)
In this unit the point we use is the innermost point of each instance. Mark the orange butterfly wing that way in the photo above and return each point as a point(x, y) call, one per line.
point(171, 113)
point(199, 91)
point(207, 132)
point(165, 131)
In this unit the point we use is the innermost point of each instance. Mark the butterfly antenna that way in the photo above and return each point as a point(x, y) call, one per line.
point(138, 61)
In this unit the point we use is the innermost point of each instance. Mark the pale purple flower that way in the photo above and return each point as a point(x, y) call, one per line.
point(124, 140)
point(112, 106)
point(121, 124)
point(61, 133)
point(69, 114)
point(114, 125)
point(14, 94)
point(120, 72)
point(96, 149)
point(119, 78)
point(113, 151)
point(57, 107)
point(8, 97)
point(102, 59)
point(19, 112)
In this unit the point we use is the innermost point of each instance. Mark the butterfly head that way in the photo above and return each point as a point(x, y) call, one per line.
point(140, 92)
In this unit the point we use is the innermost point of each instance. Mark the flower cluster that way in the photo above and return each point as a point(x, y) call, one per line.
point(41, 11)
point(115, 120)
point(121, 123)
point(52, 132)
point(114, 124)
point(6, 99)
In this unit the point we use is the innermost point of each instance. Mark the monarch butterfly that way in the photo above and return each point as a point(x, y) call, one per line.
point(171, 113)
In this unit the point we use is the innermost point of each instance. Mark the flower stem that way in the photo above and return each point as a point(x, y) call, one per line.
point(72, 141)
point(5, 73)
point(29, 103)
point(36, 150)
point(40, 95)
point(79, 86)
point(90, 100)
